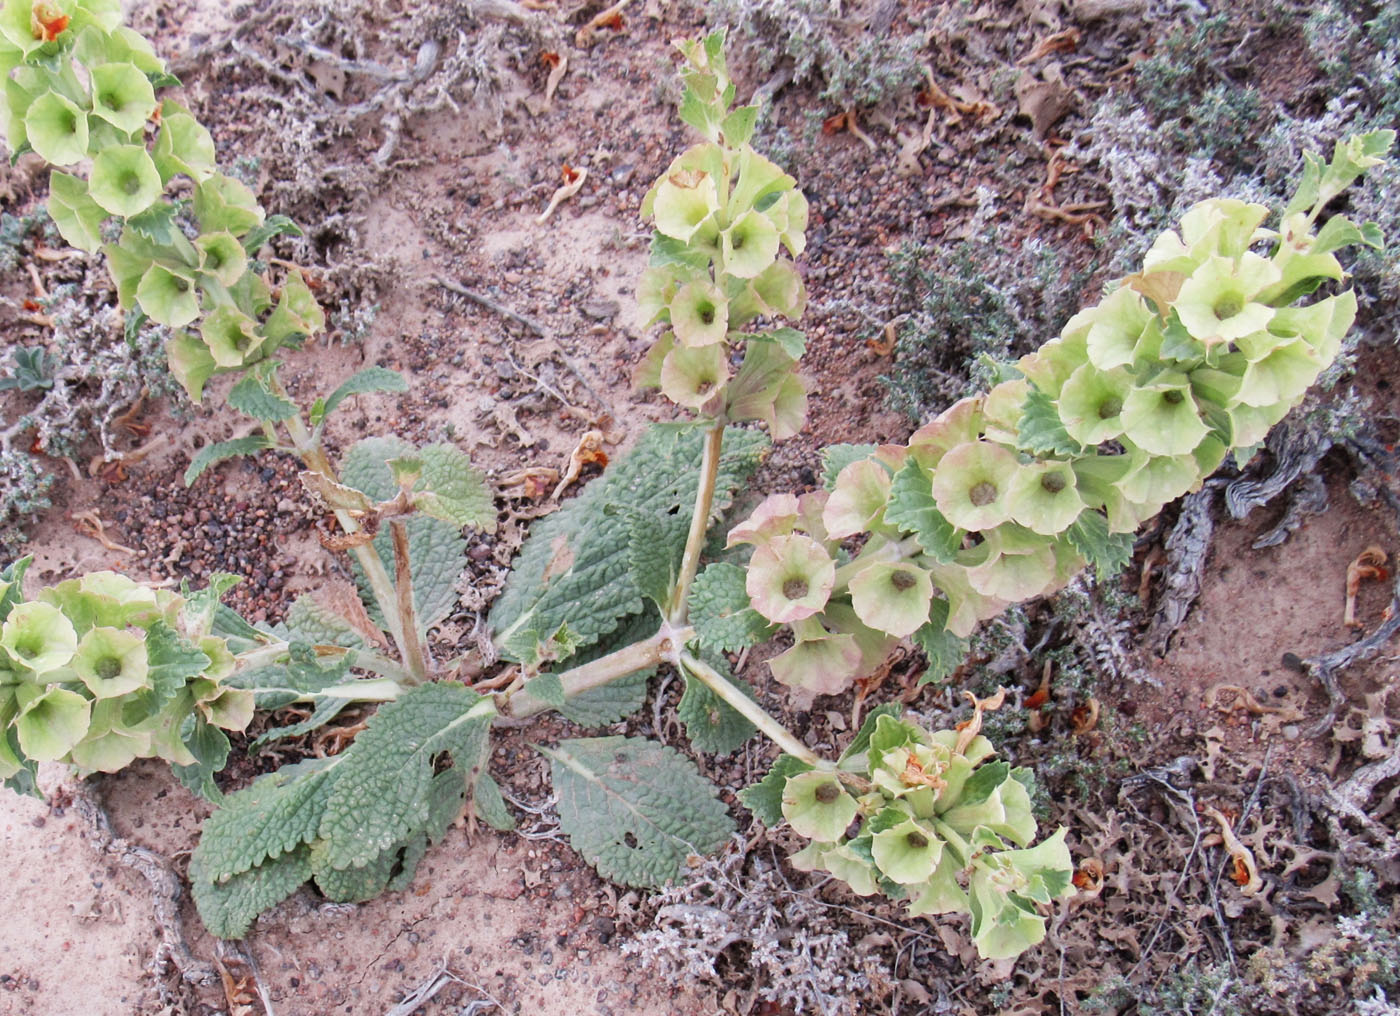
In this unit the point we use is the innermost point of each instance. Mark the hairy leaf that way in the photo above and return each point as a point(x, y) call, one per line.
point(1109, 553)
point(945, 651)
point(655, 544)
point(490, 806)
point(274, 816)
point(383, 791)
point(213, 454)
point(635, 809)
point(252, 397)
point(229, 908)
point(435, 547)
point(1042, 431)
point(912, 508)
point(575, 566)
point(711, 724)
point(209, 745)
point(371, 379)
point(765, 798)
point(451, 490)
point(720, 610)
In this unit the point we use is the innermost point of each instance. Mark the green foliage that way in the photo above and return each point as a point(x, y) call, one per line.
point(34, 370)
point(720, 610)
point(349, 821)
point(221, 451)
point(576, 565)
point(635, 809)
point(711, 723)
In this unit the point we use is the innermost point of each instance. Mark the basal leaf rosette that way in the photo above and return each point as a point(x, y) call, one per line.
point(122, 95)
point(124, 180)
point(1162, 418)
point(57, 129)
point(1044, 497)
point(111, 662)
point(893, 598)
point(818, 807)
point(971, 484)
point(790, 578)
point(1218, 302)
point(38, 639)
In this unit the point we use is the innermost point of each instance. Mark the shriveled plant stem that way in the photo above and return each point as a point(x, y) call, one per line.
point(415, 654)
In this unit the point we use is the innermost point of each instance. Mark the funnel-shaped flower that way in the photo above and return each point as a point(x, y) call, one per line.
point(892, 597)
point(39, 638)
point(1155, 480)
point(297, 315)
point(775, 516)
point(78, 218)
point(1119, 323)
point(102, 599)
point(941, 894)
point(657, 288)
point(758, 178)
point(959, 424)
point(971, 483)
point(789, 215)
point(780, 290)
point(857, 499)
point(817, 806)
point(824, 665)
point(223, 203)
point(122, 96)
point(691, 375)
point(1091, 404)
point(108, 747)
point(57, 129)
point(1281, 376)
point(907, 852)
point(790, 578)
point(1002, 409)
point(50, 721)
point(1006, 810)
point(1051, 365)
point(1251, 425)
point(1043, 497)
point(684, 201)
point(1161, 417)
point(124, 180)
point(168, 298)
point(111, 662)
point(1010, 568)
point(842, 861)
point(699, 314)
point(183, 145)
point(231, 336)
point(222, 256)
point(1223, 226)
point(229, 708)
point(748, 246)
point(191, 362)
point(1215, 303)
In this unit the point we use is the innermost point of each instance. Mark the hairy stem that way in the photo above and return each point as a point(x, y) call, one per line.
point(314, 458)
point(415, 654)
point(699, 523)
point(604, 670)
point(745, 707)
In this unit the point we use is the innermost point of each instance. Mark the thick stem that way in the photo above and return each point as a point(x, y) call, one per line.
point(365, 659)
point(415, 654)
point(596, 673)
point(745, 707)
point(370, 563)
point(699, 523)
point(381, 689)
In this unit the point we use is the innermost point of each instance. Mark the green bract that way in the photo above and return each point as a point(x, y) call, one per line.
point(124, 180)
point(57, 129)
point(122, 95)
